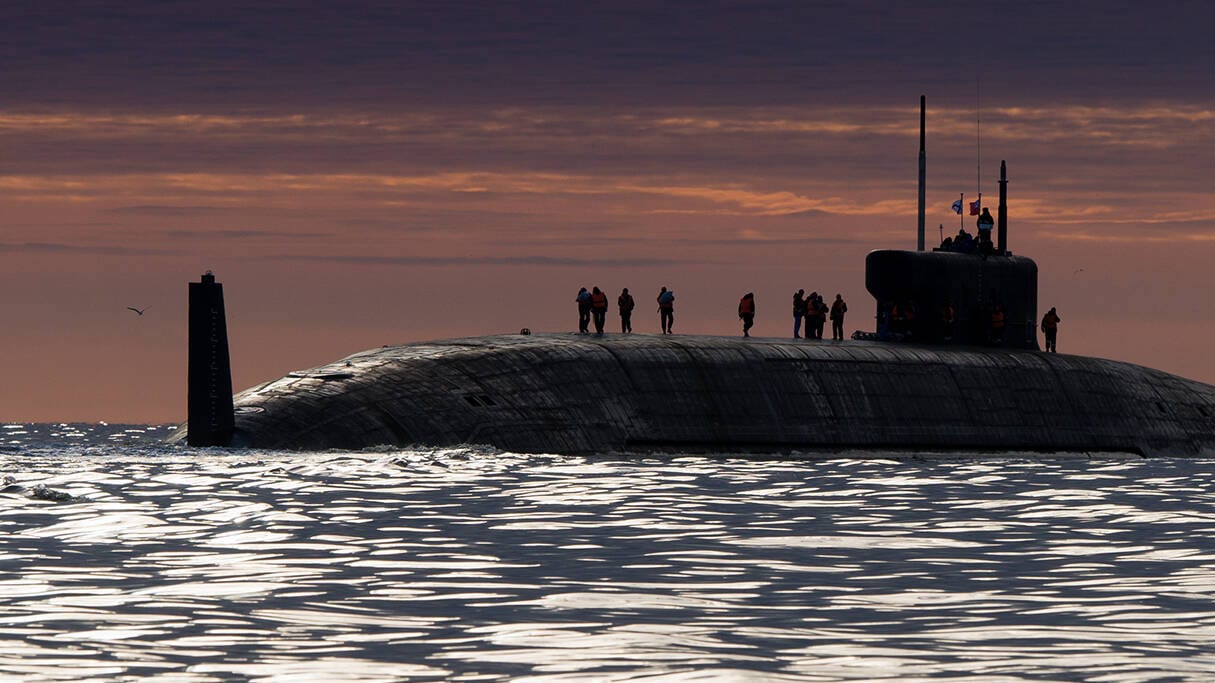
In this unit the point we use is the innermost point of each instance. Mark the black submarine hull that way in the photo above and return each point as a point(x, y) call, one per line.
point(570, 394)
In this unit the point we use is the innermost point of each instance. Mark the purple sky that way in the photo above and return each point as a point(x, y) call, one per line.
point(367, 173)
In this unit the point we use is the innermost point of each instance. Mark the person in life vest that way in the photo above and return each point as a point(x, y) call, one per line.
point(599, 303)
point(624, 304)
point(1050, 328)
point(815, 316)
point(584, 310)
point(902, 319)
point(666, 310)
point(884, 311)
point(799, 310)
point(946, 319)
point(997, 324)
point(985, 223)
point(746, 311)
point(838, 309)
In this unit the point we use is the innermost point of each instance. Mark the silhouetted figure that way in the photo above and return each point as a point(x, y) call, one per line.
point(902, 319)
point(584, 310)
point(599, 305)
point(812, 314)
point(998, 322)
point(666, 310)
point(883, 319)
point(946, 320)
point(1050, 328)
point(985, 223)
point(947, 244)
point(820, 316)
point(838, 309)
point(625, 304)
point(963, 243)
point(746, 311)
point(799, 311)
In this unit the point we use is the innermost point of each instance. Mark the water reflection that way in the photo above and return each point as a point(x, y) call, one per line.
point(472, 564)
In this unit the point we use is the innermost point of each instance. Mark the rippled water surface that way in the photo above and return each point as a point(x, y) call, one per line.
point(125, 559)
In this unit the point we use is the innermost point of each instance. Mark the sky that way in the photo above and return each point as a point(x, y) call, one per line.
point(366, 173)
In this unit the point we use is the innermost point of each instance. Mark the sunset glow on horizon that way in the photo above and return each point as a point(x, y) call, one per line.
point(428, 190)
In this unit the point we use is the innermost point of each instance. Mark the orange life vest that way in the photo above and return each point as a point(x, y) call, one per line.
point(746, 306)
point(599, 300)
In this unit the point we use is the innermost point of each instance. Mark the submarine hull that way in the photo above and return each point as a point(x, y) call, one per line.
point(579, 394)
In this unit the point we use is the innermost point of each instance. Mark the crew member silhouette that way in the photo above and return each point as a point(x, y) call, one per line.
point(1050, 328)
point(625, 304)
point(799, 310)
point(666, 310)
point(838, 309)
point(599, 303)
point(584, 310)
point(746, 311)
point(985, 223)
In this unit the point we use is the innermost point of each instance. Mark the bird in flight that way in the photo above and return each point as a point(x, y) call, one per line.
point(137, 310)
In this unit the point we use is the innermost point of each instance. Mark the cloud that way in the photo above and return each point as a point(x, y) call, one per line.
point(535, 260)
point(98, 250)
point(245, 234)
point(155, 210)
point(1106, 238)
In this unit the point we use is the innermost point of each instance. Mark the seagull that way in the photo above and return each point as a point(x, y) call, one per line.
point(137, 310)
point(1077, 271)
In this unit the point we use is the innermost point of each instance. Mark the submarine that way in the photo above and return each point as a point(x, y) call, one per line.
point(933, 383)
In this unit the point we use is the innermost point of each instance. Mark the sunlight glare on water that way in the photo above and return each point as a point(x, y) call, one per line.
point(127, 559)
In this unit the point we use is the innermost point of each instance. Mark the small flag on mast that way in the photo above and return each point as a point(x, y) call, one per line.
point(957, 206)
point(974, 207)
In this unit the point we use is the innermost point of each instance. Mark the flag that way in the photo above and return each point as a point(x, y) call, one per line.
point(974, 208)
point(957, 207)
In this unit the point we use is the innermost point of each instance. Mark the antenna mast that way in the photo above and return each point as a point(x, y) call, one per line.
point(923, 163)
point(978, 146)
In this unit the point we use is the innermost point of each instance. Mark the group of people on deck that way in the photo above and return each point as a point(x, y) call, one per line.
point(593, 306)
point(965, 243)
point(815, 312)
point(895, 318)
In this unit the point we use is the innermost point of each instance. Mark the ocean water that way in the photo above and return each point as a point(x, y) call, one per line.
point(125, 559)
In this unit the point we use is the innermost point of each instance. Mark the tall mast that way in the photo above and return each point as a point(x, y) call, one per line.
point(978, 147)
point(1002, 211)
point(923, 165)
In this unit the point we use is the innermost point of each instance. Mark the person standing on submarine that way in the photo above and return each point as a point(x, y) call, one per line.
point(1050, 328)
point(666, 310)
point(838, 309)
point(818, 315)
point(599, 306)
point(799, 311)
point(985, 224)
point(625, 305)
point(584, 310)
point(746, 312)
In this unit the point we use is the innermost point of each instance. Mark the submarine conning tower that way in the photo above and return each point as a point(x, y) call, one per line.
point(949, 295)
point(929, 282)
